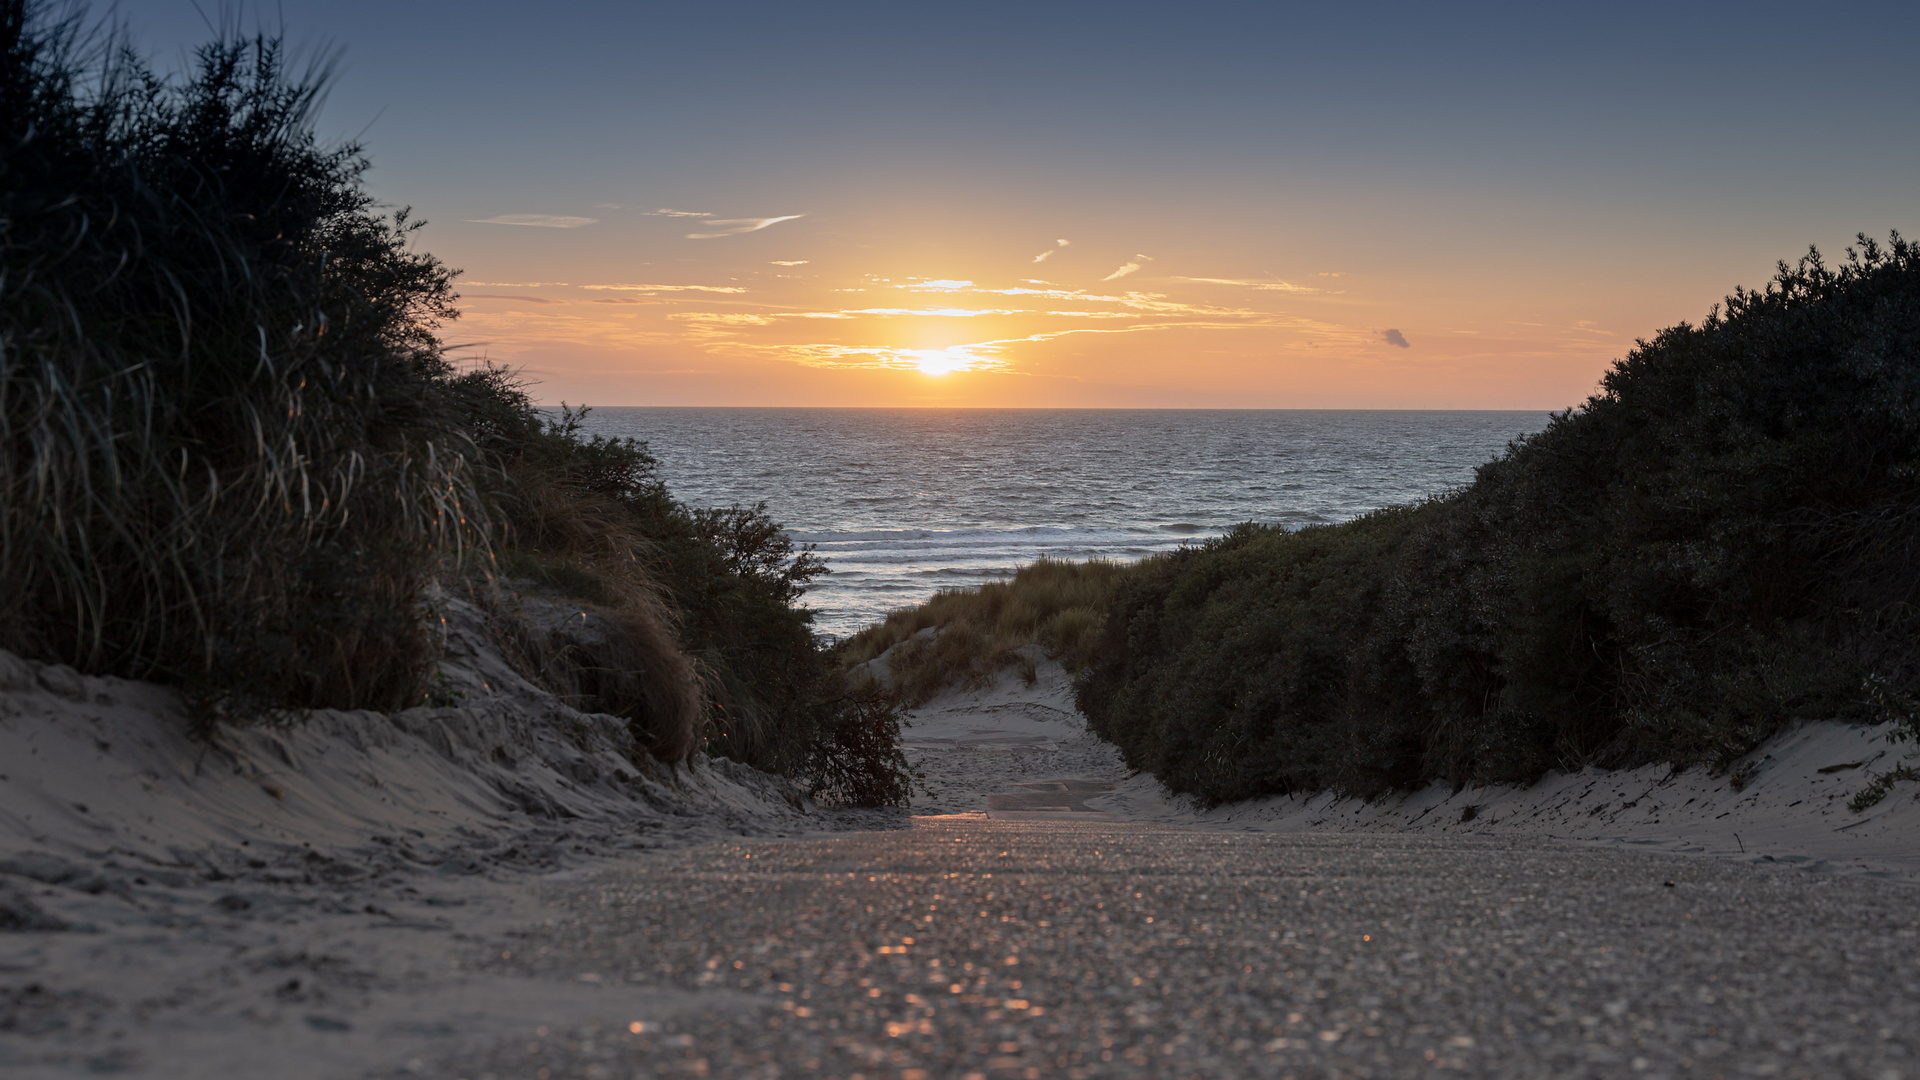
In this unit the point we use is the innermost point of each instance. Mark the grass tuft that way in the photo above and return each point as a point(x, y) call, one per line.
point(235, 458)
point(964, 636)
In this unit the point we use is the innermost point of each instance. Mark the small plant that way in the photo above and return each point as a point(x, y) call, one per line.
point(1897, 708)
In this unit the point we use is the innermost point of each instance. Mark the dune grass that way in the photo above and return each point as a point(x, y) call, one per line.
point(1054, 604)
point(235, 456)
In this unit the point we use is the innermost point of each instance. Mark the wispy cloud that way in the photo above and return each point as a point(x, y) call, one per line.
point(954, 358)
point(1047, 254)
point(539, 221)
point(942, 285)
point(1129, 268)
point(516, 299)
point(668, 288)
point(789, 262)
point(513, 284)
point(956, 313)
point(626, 300)
point(1265, 286)
point(736, 226)
point(665, 212)
point(719, 318)
point(1395, 338)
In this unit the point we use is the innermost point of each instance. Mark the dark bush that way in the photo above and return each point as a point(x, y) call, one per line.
point(1718, 543)
point(234, 458)
point(220, 459)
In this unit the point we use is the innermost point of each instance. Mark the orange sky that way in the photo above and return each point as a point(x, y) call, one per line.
point(784, 314)
point(1132, 203)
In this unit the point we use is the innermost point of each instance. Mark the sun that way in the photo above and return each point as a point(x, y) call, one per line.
point(938, 362)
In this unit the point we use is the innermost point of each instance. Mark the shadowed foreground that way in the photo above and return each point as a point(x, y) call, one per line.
point(964, 947)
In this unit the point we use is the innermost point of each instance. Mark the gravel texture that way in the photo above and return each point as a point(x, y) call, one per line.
point(965, 948)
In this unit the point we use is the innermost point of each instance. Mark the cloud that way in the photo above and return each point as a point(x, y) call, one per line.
point(789, 262)
point(979, 357)
point(1047, 254)
point(625, 300)
point(668, 288)
point(941, 285)
point(1129, 267)
point(719, 318)
point(512, 284)
point(664, 212)
point(541, 221)
point(520, 299)
point(1395, 338)
point(1265, 286)
point(736, 226)
point(959, 313)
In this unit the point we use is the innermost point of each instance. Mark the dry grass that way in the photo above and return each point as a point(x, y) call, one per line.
point(220, 464)
point(622, 657)
point(1051, 603)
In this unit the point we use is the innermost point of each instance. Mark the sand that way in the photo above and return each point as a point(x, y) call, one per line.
point(979, 746)
point(337, 894)
point(307, 898)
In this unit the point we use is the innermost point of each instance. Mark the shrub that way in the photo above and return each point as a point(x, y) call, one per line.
point(1716, 544)
point(233, 456)
point(734, 667)
point(220, 458)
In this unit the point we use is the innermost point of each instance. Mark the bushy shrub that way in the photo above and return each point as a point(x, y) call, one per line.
point(220, 458)
point(587, 517)
point(1719, 542)
point(234, 458)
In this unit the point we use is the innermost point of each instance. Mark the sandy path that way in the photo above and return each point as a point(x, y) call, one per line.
point(969, 947)
point(416, 902)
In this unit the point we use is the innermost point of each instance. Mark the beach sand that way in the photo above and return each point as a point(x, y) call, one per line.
point(1006, 743)
point(330, 895)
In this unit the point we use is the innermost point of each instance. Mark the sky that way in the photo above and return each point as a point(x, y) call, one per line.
point(1207, 205)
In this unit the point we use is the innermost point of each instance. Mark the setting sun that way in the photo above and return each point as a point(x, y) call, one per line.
point(938, 362)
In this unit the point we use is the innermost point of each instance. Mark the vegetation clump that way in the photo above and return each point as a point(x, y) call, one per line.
point(1719, 542)
point(964, 636)
point(235, 457)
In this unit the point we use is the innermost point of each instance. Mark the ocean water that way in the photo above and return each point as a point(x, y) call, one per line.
point(903, 502)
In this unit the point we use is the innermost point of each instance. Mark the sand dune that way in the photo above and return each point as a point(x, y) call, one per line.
point(991, 750)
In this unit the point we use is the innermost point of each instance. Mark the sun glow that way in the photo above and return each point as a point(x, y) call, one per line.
point(938, 362)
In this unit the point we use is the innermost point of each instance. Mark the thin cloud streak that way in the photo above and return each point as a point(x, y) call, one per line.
point(668, 288)
point(1129, 268)
point(1047, 254)
point(1266, 286)
point(737, 226)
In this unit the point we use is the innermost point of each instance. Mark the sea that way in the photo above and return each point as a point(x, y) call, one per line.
point(905, 502)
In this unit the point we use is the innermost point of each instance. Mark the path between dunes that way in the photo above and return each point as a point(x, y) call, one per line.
point(1042, 914)
point(979, 948)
